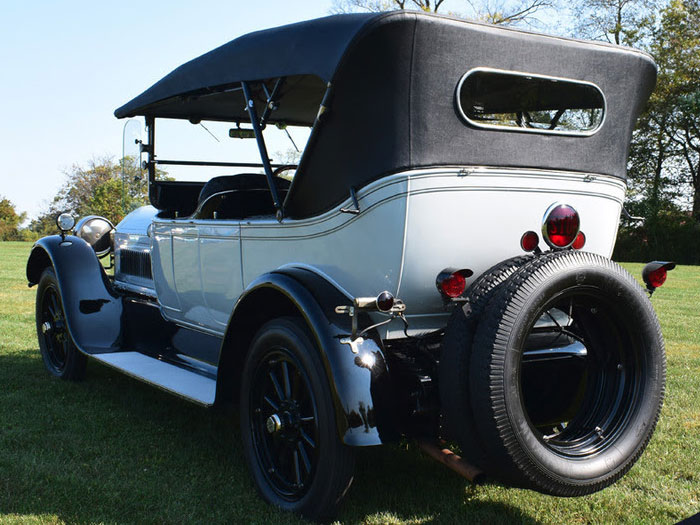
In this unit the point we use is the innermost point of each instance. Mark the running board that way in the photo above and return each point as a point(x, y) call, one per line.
point(185, 383)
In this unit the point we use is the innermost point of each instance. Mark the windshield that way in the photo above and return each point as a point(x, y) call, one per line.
point(203, 144)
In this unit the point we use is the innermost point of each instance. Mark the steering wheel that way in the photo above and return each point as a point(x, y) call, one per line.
point(283, 168)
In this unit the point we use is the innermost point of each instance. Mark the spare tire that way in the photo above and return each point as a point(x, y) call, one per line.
point(455, 356)
point(567, 375)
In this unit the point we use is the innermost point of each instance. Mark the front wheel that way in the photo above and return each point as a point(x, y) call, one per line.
point(567, 375)
point(288, 424)
point(61, 357)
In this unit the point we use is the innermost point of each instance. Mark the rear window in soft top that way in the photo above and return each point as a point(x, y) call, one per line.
point(524, 102)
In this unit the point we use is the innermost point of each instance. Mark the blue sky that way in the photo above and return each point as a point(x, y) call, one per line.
point(67, 66)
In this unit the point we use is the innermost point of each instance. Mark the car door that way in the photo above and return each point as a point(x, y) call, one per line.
point(220, 269)
point(186, 273)
point(176, 271)
point(162, 266)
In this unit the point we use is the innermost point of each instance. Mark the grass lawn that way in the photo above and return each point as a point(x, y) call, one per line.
point(112, 450)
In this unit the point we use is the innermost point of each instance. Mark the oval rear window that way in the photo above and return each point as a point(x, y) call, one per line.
point(515, 101)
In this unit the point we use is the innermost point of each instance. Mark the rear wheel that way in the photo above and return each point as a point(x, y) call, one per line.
point(288, 423)
point(567, 375)
point(61, 357)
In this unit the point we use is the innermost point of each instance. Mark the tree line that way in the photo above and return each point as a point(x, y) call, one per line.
point(97, 188)
point(664, 161)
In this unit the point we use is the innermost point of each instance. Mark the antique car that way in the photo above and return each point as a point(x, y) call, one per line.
point(436, 267)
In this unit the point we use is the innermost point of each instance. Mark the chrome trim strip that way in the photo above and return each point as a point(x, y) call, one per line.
point(291, 237)
point(403, 244)
point(496, 127)
point(141, 290)
point(189, 326)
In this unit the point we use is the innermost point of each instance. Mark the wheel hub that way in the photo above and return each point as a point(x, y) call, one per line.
point(274, 424)
point(46, 327)
point(286, 422)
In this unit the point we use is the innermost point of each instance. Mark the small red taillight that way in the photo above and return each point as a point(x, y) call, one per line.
point(529, 241)
point(654, 273)
point(580, 241)
point(452, 283)
point(657, 277)
point(560, 226)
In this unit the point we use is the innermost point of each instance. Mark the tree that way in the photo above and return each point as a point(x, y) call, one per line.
point(10, 221)
point(676, 48)
point(96, 189)
point(614, 21)
point(502, 12)
point(349, 6)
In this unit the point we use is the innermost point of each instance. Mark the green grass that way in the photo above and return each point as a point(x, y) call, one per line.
point(112, 450)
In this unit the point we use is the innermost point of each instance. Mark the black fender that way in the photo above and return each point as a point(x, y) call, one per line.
point(93, 310)
point(359, 382)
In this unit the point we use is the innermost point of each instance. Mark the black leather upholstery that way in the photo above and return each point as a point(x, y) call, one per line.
point(239, 196)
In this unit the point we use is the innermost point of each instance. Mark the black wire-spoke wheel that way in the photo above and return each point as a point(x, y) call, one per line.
point(285, 424)
point(567, 375)
point(288, 423)
point(61, 357)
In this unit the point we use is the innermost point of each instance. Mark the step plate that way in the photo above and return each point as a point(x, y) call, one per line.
point(185, 383)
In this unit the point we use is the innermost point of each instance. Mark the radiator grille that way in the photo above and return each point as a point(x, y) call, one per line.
point(135, 263)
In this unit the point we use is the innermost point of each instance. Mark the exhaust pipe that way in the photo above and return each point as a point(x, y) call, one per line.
point(452, 460)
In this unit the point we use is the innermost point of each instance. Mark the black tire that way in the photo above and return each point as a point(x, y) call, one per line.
point(61, 357)
point(297, 460)
point(594, 424)
point(455, 357)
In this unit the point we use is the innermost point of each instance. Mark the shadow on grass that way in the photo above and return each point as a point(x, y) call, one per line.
point(111, 449)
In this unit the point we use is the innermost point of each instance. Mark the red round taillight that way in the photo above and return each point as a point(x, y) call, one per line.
point(452, 283)
point(579, 242)
point(657, 277)
point(654, 273)
point(560, 226)
point(529, 241)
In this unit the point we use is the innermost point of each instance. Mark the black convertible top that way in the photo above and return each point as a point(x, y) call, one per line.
point(392, 105)
point(306, 49)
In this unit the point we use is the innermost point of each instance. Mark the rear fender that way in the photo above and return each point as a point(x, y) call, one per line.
point(360, 392)
point(93, 309)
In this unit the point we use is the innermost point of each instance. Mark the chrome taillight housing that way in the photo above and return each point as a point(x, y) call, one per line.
point(560, 225)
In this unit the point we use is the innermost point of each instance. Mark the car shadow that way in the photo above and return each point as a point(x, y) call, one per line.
point(399, 482)
point(112, 449)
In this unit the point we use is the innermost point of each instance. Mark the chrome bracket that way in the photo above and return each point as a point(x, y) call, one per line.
point(356, 209)
point(368, 304)
point(353, 343)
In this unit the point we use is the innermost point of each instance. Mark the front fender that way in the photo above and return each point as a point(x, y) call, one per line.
point(93, 310)
point(358, 381)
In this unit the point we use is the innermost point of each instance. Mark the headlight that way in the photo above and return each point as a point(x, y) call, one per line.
point(96, 232)
point(65, 222)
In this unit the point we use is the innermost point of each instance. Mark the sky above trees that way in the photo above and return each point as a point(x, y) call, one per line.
point(67, 65)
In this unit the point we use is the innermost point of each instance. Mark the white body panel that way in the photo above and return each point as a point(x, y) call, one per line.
point(411, 226)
